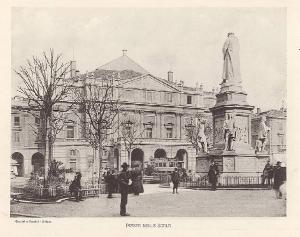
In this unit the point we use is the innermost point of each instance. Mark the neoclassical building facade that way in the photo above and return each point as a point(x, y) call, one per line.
point(162, 107)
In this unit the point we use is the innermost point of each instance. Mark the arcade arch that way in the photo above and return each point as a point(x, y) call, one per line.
point(137, 157)
point(18, 164)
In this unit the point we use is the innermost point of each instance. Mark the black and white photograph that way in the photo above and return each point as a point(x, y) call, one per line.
point(148, 112)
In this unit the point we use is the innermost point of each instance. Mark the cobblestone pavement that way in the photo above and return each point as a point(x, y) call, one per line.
point(160, 202)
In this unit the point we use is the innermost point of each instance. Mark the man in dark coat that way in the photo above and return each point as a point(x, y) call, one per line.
point(137, 180)
point(267, 173)
point(175, 178)
point(109, 179)
point(279, 179)
point(213, 175)
point(75, 187)
point(123, 179)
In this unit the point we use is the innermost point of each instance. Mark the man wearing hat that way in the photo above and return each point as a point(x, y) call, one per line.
point(279, 179)
point(175, 178)
point(123, 179)
point(213, 174)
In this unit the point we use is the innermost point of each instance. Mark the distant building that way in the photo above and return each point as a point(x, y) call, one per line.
point(276, 120)
point(163, 108)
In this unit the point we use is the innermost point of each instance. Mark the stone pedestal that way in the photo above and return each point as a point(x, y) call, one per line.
point(242, 160)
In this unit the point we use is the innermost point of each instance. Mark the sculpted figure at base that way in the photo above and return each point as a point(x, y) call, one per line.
point(229, 132)
point(262, 135)
point(203, 140)
point(231, 67)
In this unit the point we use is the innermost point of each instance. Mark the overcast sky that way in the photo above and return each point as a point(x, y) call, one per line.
point(187, 41)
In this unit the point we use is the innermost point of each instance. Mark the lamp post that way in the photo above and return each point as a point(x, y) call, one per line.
point(128, 126)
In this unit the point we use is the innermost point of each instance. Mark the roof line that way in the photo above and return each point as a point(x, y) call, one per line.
point(149, 74)
point(143, 69)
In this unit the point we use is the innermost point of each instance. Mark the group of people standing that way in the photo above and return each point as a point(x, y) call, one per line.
point(125, 182)
point(276, 173)
point(213, 174)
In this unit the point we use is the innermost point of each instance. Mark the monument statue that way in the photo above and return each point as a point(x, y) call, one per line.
point(262, 135)
point(202, 135)
point(229, 132)
point(231, 67)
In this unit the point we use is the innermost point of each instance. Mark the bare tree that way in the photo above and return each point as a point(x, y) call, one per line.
point(98, 112)
point(45, 88)
point(130, 133)
point(199, 132)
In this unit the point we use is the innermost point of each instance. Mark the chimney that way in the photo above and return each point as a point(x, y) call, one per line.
point(73, 68)
point(170, 76)
point(201, 87)
point(124, 52)
point(258, 111)
point(181, 83)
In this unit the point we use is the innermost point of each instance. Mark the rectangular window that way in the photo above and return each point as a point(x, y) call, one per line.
point(70, 132)
point(72, 152)
point(189, 99)
point(73, 165)
point(17, 121)
point(280, 127)
point(159, 164)
point(37, 121)
point(16, 137)
point(171, 164)
point(168, 97)
point(169, 132)
point(281, 142)
point(149, 96)
point(73, 159)
point(164, 164)
point(148, 132)
point(127, 95)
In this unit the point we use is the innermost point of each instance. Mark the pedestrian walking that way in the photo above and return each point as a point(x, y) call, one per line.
point(137, 180)
point(109, 179)
point(75, 187)
point(123, 179)
point(213, 174)
point(175, 178)
point(279, 179)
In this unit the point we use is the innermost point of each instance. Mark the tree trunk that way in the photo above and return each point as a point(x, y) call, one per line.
point(100, 154)
point(49, 146)
point(45, 141)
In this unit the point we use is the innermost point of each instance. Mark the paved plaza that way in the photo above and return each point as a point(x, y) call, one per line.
point(160, 202)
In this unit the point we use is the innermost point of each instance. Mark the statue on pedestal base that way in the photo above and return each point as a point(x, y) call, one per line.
point(262, 136)
point(229, 132)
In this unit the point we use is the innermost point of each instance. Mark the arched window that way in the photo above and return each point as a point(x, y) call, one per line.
point(160, 153)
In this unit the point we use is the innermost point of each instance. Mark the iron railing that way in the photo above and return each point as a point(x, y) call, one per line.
point(223, 181)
